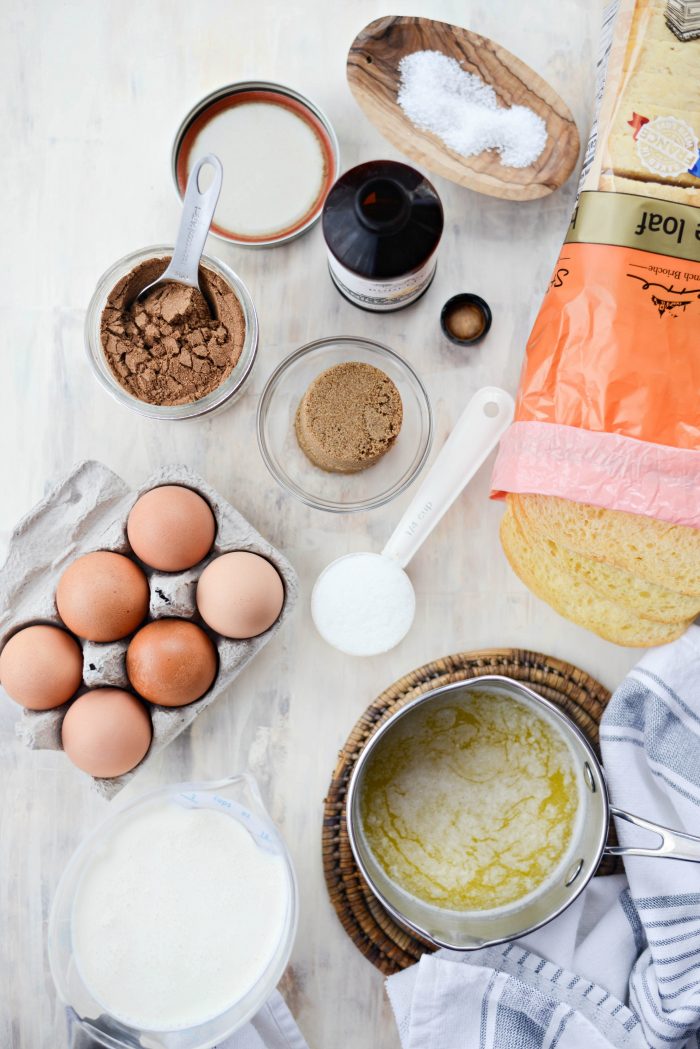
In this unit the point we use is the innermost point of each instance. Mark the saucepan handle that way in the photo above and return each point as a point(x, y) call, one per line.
point(675, 845)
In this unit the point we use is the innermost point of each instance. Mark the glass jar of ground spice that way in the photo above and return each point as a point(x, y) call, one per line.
point(178, 354)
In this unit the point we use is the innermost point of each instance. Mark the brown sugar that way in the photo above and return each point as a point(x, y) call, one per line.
point(349, 417)
point(176, 346)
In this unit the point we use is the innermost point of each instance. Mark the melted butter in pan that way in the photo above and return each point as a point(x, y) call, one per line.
point(472, 805)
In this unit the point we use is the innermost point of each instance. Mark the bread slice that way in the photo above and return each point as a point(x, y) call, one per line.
point(653, 550)
point(613, 183)
point(573, 598)
point(648, 600)
point(659, 80)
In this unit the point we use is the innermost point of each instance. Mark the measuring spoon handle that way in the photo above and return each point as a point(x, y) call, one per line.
point(197, 214)
point(476, 433)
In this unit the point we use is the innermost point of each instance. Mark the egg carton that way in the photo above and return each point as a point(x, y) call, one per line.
point(88, 511)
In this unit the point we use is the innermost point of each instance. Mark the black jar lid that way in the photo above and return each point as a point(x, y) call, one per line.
point(465, 318)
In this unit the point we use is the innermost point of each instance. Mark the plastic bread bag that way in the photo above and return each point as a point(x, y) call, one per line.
point(608, 408)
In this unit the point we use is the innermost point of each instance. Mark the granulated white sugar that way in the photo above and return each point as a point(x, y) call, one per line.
point(363, 604)
point(437, 95)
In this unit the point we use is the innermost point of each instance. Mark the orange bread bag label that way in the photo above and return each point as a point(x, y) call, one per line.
point(616, 344)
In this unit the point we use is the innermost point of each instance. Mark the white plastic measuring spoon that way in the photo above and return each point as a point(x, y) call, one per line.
point(364, 603)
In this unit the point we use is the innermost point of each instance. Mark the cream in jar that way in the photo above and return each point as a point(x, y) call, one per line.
point(178, 916)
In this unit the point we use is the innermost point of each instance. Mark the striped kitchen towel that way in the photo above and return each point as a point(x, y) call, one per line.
point(620, 967)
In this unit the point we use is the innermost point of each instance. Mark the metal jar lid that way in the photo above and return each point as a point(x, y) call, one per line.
point(297, 103)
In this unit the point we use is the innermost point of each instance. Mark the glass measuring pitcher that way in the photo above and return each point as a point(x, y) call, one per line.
point(238, 798)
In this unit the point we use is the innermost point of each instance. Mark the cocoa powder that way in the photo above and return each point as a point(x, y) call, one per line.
point(176, 346)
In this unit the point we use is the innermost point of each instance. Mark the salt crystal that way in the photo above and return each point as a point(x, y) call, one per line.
point(437, 95)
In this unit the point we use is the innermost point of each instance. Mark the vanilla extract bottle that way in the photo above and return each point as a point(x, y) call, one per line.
point(382, 222)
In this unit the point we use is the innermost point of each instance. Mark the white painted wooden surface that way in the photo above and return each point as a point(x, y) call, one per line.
point(93, 93)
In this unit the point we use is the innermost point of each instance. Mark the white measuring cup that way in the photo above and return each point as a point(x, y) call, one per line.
point(364, 603)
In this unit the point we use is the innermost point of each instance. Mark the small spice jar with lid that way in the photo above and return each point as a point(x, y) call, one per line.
point(465, 318)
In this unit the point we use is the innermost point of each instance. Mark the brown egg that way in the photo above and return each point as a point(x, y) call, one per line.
point(240, 594)
point(41, 667)
point(102, 596)
point(106, 732)
point(171, 662)
point(171, 528)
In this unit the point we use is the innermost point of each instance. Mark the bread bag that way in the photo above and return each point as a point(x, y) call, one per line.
point(608, 410)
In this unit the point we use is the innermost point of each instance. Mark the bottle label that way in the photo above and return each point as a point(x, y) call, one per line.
point(382, 295)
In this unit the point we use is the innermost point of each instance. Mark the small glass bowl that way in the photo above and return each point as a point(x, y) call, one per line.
point(336, 492)
point(219, 398)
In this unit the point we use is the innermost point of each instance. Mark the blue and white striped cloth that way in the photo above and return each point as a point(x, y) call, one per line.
point(620, 967)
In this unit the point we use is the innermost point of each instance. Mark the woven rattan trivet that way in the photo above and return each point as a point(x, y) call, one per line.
point(368, 925)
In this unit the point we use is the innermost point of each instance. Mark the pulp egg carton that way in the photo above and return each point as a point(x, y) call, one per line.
point(88, 511)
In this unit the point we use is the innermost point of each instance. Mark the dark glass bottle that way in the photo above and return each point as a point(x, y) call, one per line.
point(382, 222)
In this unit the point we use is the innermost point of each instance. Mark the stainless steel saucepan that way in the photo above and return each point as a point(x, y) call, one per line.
point(469, 930)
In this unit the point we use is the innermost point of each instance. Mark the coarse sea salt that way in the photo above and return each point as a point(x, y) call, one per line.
point(437, 95)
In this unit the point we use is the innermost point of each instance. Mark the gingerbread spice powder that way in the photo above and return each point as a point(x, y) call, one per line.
point(176, 346)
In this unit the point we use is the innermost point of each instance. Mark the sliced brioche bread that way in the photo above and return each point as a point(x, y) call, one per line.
point(653, 550)
point(613, 183)
point(573, 598)
point(641, 597)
